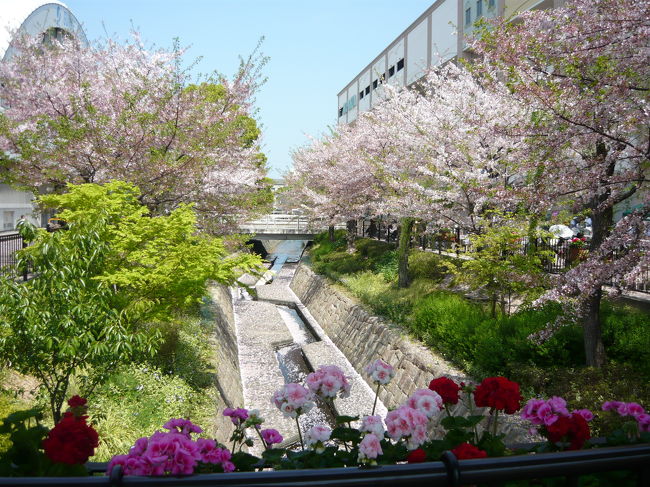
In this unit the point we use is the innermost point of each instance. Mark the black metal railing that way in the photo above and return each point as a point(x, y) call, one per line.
point(10, 243)
point(631, 464)
point(558, 253)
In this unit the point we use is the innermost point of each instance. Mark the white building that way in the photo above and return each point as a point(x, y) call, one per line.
point(432, 39)
point(38, 18)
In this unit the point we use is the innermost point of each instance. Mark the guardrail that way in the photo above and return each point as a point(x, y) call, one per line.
point(631, 464)
point(10, 243)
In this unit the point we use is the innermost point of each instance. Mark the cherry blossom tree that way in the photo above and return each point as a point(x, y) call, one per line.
point(121, 111)
point(584, 70)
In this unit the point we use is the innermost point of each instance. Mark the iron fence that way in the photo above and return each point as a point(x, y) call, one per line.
point(557, 253)
point(624, 465)
point(10, 243)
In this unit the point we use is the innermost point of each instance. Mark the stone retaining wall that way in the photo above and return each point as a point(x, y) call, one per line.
point(227, 378)
point(364, 338)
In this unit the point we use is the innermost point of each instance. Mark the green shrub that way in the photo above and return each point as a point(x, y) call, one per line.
point(427, 265)
point(136, 401)
point(626, 334)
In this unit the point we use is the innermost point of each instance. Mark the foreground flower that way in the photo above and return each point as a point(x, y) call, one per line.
point(271, 436)
point(416, 456)
point(237, 416)
point(374, 425)
point(426, 401)
point(316, 437)
point(499, 394)
point(380, 372)
point(466, 451)
point(183, 426)
point(369, 449)
point(446, 388)
point(72, 440)
point(407, 423)
point(328, 381)
point(572, 429)
point(293, 400)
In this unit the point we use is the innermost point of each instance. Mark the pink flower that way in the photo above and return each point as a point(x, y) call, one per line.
point(380, 372)
point(530, 411)
point(328, 381)
point(271, 436)
point(634, 409)
point(316, 436)
point(425, 400)
point(237, 416)
point(374, 425)
point(406, 422)
point(585, 413)
point(369, 448)
point(558, 405)
point(293, 399)
point(612, 405)
point(644, 422)
point(183, 426)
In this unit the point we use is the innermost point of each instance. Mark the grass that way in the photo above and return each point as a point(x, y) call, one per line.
point(465, 334)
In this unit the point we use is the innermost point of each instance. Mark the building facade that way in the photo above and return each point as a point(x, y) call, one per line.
point(49, 20)
point(435, 37)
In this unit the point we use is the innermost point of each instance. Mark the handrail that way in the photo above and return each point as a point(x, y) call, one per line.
point(448, 472)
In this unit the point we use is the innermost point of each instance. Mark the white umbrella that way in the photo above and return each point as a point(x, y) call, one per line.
point(561, 231)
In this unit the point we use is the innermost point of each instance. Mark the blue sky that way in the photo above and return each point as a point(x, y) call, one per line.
point(315, 47)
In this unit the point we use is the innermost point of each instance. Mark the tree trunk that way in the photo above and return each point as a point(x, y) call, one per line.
point(330, 233)
point(594, 348)
point(406, 225)
point(352, 234)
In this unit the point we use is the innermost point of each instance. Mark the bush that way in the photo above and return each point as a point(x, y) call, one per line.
point(136, 401)
point(626, 334)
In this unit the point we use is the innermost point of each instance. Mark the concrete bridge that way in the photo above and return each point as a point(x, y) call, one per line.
point(283, 226)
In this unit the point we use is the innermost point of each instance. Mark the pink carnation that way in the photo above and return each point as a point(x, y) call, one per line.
point(369, 448)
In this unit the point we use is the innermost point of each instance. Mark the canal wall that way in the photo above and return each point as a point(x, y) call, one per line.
point(227, 377)
point(363, 338)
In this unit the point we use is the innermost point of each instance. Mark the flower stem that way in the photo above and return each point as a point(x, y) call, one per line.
point(376, 396)
point(302, 445)
point(266, 447)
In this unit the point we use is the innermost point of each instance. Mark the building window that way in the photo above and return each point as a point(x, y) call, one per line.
point(479, 8)
point(341, 112)
point(491, 3)
point(468, 17)
point(400, 64)
point(361, 95)
point(368, 90)
point(374, 84)
point(391, 71)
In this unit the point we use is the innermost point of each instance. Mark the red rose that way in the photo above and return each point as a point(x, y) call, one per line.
point(71, 441)
point(416, 456)
point(447, 389)
point(465, 451)
point(498, 393)
point(76, 401)
point(573, 429)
